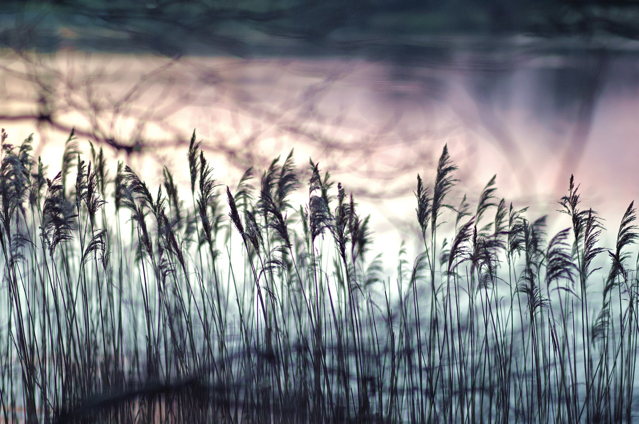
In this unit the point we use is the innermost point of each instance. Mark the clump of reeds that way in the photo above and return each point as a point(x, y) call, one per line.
point(265, 312)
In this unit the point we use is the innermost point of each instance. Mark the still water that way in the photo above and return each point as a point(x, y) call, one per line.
point(531, 118)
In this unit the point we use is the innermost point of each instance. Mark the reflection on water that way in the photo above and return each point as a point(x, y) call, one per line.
point(533, 119)
point(374, 125)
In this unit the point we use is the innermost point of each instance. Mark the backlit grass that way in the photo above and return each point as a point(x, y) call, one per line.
point(125, 303)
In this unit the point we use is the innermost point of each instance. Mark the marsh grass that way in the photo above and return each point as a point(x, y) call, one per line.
point(123, 304)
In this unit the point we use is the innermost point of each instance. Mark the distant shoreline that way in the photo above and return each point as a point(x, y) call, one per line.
point(52, 34)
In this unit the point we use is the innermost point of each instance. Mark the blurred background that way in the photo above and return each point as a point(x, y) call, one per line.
point(530, 90)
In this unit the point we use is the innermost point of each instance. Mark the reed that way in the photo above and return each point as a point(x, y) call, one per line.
point(262, 311)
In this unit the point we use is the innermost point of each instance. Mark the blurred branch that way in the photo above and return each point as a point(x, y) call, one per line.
point(399, 33)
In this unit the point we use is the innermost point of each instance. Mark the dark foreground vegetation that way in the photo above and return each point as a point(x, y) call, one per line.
point(122, 304)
